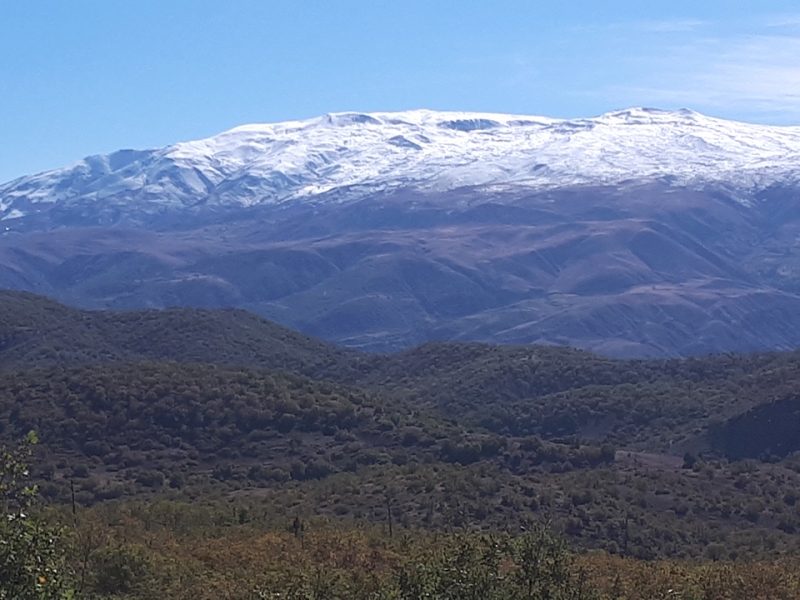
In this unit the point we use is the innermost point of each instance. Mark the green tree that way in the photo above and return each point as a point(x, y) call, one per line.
point(32, 562)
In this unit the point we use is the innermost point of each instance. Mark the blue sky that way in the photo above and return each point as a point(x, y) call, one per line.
point(92, 76)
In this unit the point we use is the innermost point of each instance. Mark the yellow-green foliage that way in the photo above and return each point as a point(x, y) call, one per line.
point(171, 551)
point(31, 557)
point(614, 578)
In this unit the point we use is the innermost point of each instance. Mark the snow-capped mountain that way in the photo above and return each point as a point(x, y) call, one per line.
point(347, 156)
point(636, 233)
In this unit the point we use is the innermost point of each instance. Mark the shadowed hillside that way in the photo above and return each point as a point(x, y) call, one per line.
point(36, 331)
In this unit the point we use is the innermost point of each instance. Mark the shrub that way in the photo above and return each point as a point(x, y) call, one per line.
point(32, 563)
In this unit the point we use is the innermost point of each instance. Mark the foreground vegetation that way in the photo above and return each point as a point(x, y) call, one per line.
point(170, 549)
point(173, 551)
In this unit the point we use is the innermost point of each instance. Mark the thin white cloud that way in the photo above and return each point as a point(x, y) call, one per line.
point(671, 26)
point(783, 21)
point(760, 74)
point(647, 26)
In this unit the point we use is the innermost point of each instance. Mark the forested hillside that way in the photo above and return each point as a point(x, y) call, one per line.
point(640, 458)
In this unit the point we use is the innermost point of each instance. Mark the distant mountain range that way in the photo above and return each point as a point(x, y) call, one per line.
point(639, 233)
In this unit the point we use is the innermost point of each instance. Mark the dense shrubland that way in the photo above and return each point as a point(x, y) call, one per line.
point(170, 550)
point(316, 448)
point(207, 454)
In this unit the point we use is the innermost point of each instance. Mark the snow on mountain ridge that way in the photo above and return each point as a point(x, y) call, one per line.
point(425, 150)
